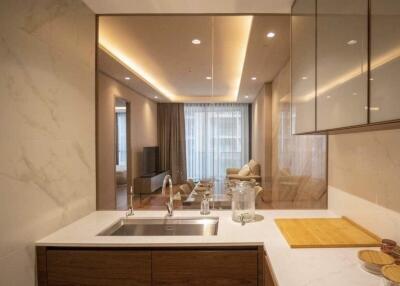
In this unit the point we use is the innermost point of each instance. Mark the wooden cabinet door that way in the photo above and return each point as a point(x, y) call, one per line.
point(98, 268)
point(203, 267)
point(303, 66)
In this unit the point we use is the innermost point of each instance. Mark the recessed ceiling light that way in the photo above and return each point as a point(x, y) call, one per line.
point(127, 78)
point(246, 96)
point(304, 78)
point(371, 78)
point(352, 42)
point(253, 78)
point(156, 97)
point(208, 77)
point(196, 42)
point(270, 34)
point(355, 93)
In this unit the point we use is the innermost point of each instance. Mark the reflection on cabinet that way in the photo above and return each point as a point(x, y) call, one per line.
point(342, 63)
point(303, 66)
point(385, 60)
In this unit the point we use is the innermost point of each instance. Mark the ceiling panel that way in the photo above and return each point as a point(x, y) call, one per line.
point(110, 66)
point(188, 6)
point(158, 50)
point(265, 56)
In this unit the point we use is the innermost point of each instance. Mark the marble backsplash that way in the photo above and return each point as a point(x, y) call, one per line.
point(47, 119)
point(298, 162)
point(367, 165)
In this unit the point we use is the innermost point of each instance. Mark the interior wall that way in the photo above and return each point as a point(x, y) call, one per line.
point(143, 128)
point(261, 135)
point(298, 162)
point(47, 123)
point(367, 165)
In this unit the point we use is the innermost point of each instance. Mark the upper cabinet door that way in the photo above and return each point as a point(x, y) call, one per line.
point(303, 66)
point(342, 63)
point(385, 60)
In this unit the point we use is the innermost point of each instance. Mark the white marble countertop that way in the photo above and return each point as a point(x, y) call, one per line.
point(291, 267)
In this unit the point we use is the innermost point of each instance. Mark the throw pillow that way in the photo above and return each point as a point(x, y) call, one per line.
point(245, 171)
point(253, 165)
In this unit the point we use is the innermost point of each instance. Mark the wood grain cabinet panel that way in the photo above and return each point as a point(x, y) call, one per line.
point(269, 279)
point(215, 267)
point(98, 268)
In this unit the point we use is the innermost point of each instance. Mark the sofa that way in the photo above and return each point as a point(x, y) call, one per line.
point(250, 171)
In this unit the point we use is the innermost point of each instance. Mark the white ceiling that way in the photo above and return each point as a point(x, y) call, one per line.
point(188, 6)
point(169, 64)
point(264, 57)
point(117, 70)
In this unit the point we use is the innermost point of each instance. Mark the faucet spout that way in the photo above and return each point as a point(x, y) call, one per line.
point(170, 204)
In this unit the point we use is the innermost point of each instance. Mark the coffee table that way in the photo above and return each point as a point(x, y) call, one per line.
point(218, 198)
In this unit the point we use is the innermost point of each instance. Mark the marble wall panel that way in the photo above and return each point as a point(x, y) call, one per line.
point(367, 165)
point(47, 123)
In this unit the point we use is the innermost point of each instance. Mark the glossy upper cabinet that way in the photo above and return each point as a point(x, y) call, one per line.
point(342, 63)
point(303, 66)
point(385, 60)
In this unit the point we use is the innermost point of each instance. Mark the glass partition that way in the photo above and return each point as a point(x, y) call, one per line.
point(209, 99)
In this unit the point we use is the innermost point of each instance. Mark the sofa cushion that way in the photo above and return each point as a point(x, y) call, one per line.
point(254, 167)
point(245, 171)
point(243, 178)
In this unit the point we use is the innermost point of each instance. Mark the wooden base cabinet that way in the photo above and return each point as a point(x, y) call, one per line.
point(144, 267)
point(199, 268)
point(269, 278)
point(98, 268)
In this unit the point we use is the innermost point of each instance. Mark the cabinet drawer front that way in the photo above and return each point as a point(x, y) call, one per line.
point(98, 267)
point(214, 267)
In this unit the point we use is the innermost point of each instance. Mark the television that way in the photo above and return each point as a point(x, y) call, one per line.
point(150, 161)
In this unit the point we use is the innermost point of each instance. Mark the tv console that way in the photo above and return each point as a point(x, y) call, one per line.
point(149, 183)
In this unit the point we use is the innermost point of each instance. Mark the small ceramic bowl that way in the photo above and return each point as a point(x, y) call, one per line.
point(388, 246)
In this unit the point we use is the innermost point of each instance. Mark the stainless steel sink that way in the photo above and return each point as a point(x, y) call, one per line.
point(163, 226)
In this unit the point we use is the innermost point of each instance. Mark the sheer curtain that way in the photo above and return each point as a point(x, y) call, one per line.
point(217, 137)
point(121, 139)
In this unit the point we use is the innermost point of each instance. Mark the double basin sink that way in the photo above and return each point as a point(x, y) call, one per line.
point(198, 226)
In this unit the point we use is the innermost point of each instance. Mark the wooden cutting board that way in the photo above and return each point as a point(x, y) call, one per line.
point(325, 232)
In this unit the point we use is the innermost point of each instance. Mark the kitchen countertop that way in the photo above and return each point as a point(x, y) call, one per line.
point(291, 267)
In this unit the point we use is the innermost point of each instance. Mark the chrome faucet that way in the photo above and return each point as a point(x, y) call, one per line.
point(170, 204)
point(130, 209)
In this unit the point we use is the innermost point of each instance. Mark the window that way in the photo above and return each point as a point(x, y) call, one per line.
point(121, 139)
point(217, 137)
